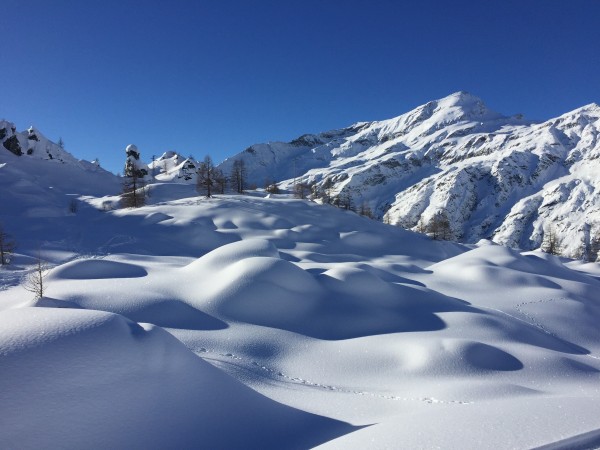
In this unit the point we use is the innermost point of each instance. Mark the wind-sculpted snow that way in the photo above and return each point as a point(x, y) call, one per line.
point(74, 379)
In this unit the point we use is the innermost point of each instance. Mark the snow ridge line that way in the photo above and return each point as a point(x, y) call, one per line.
point(302, 381)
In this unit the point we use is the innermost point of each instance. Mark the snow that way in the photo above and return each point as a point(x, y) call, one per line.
point(457, 155)
point(252, 322)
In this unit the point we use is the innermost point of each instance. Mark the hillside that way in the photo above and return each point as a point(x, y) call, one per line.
point(254, 321)
point(495, 177)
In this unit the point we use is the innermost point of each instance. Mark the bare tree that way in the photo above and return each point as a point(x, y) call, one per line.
point(551, 243)
point(35, 280)
point(365, 210)
point(153, 171)
point(273, 188)
point(7, 246)
point(594, 248)
point(205, 177)
point(421, 227)
point(346, 201)
point(73, 206)
point(301, 189)
point(238, 176)
point(134, 191)
point(327, 191)
point(439, 226)
point(220, 180)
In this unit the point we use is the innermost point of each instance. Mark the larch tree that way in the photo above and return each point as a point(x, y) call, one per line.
point(35, 280)
point(205, 177)
point(551, 243)
point(238, 176)
point(220, 180)
point(439, 226)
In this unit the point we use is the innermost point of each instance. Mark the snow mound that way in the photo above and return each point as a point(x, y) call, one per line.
point(120, 384)
point(232, 253)
point(95, 269)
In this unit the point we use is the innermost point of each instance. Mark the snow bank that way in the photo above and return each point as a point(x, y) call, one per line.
point(75, 379)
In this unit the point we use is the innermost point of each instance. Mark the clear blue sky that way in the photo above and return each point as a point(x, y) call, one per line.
point(213, 77)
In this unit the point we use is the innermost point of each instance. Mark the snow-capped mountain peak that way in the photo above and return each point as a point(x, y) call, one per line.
point(491, 174)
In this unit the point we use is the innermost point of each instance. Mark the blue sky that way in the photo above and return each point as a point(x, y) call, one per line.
point(213, 77)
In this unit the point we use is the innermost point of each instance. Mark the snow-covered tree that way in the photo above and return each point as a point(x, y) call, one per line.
point(133, 165)
point(134, 186)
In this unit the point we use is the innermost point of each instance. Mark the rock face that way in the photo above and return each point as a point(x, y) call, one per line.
point(173, 167)
point(32, 143)
point(496, 177)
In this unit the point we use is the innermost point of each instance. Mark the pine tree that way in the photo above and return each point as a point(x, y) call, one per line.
point(134, 190)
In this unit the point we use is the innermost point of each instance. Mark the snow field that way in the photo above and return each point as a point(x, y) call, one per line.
point(335, 322)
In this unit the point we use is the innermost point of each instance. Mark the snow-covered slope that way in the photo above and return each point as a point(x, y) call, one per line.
point(495, 177)
point(273, 323)
point(349, 332)
point(41, 184)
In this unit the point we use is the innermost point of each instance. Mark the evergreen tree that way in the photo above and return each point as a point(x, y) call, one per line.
point(134, 190)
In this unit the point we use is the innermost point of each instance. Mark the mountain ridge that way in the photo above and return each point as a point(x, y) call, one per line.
point(497, 177)
point(454, 154)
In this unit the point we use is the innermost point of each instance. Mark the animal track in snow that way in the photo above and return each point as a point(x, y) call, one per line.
point(298, 380)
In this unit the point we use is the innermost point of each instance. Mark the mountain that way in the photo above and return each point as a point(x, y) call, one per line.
point(41, 184)
point(265, 322)
point(497, 177)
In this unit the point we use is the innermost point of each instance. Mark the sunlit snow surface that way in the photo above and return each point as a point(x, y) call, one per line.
point(248, 322)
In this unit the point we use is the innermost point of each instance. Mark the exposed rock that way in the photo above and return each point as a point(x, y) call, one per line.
point(12, 145)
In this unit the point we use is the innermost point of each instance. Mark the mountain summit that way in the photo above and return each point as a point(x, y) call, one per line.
point(498, 177)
